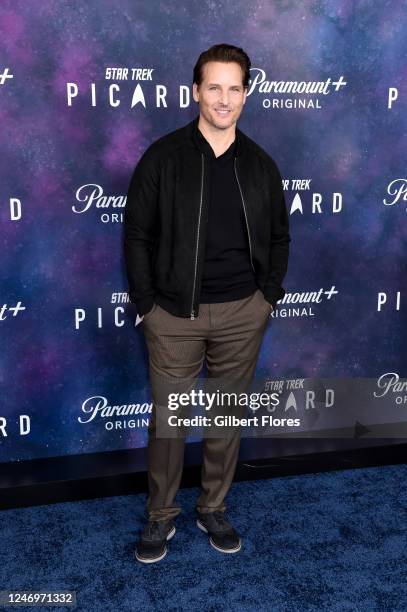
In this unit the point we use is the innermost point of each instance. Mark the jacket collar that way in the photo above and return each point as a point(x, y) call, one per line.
point(202, 144)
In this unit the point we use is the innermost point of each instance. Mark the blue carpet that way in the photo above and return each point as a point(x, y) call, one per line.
point(333, 541)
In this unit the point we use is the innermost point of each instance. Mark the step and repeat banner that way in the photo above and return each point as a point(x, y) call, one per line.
point(85, 88)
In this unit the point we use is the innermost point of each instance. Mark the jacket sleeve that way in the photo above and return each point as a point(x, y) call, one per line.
point(279, 239)
point(140, 219)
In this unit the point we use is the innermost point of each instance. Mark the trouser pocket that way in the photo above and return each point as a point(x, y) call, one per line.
point(150, 312)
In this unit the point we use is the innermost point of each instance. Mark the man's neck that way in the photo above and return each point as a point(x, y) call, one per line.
point(220, 140)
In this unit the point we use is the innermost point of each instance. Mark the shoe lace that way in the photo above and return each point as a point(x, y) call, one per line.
point(221, 520)
point(152, 529)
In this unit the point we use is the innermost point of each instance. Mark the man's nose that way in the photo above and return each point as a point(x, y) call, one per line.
point(224, 98)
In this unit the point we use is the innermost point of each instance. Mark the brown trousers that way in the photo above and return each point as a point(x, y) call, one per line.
point(229, 336)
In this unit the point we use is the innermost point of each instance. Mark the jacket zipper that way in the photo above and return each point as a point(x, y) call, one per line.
point(197, 240)
point(245, 216)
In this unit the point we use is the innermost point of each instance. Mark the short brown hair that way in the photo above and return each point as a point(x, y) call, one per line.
point(223, 53)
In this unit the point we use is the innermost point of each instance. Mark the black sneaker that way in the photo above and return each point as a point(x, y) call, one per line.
point(152, 545)
point(222, 535)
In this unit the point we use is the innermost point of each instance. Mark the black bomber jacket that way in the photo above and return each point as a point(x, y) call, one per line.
point(165, 221)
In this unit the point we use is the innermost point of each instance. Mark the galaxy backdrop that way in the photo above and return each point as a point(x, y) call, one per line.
point(71, 136)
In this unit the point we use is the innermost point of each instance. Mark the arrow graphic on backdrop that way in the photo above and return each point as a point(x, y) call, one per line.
point(291, 402)
point(138, 96)
point(296, 204)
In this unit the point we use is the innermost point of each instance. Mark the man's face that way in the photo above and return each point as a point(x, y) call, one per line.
point(221, 95)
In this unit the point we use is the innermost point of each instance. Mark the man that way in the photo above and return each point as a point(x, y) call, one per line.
point(206, 248)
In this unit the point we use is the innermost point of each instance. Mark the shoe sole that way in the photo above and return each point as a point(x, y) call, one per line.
point(155, 559)
point(224, 550)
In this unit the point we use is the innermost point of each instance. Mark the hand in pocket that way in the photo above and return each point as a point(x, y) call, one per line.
point(148, 314)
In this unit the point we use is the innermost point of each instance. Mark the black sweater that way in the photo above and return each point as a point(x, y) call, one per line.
point(227, 273)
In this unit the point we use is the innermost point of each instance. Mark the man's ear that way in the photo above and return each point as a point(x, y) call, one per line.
point(195, 92)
